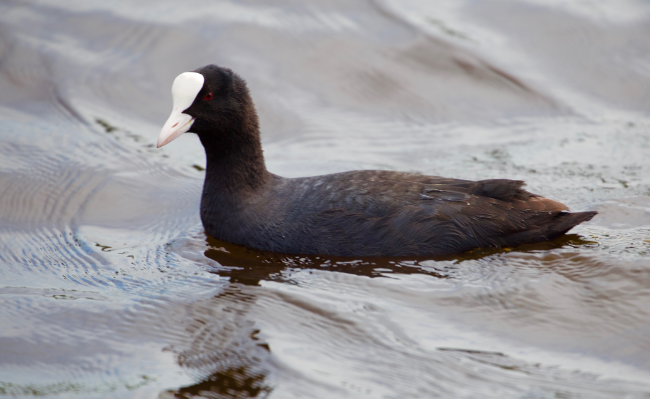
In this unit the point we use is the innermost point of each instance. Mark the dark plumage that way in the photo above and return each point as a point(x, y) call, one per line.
point(353, 213)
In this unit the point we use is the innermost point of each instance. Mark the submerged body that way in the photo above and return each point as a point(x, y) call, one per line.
point(357, 213)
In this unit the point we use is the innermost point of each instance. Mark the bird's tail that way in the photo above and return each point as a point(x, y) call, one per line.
point(551, 229)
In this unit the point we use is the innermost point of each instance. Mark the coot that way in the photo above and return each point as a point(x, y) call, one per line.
point(355, 213)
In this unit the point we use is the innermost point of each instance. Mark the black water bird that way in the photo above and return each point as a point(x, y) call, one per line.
point(358, 213)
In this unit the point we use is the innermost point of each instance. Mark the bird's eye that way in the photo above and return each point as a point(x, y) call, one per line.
point(208, 97)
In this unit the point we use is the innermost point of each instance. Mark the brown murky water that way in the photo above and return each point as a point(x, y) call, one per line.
point(110, 288)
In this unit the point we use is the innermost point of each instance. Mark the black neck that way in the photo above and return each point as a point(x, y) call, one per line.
point(235, 160)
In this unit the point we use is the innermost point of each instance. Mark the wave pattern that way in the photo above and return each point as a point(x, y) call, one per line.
point(110, 288)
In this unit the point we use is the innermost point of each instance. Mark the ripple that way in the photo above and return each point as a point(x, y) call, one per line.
point(109, 287)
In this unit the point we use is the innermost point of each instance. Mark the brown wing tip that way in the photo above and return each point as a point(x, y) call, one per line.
point(540, 204)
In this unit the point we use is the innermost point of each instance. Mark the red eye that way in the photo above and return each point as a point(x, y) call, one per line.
point(208, 97)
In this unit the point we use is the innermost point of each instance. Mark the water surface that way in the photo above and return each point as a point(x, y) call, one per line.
point(110, 288)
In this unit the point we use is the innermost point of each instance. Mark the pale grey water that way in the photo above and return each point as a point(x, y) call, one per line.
point(109, 287)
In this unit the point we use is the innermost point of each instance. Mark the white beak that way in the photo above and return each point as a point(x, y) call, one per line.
point(177, 124)
point(185, 88)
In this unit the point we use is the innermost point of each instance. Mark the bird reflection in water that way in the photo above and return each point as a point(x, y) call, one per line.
point(225, 352)
point(250, 266)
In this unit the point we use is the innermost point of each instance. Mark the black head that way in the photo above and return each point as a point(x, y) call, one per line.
point(214, 103)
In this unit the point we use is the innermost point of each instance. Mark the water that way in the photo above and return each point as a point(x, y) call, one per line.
point(110, 288)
